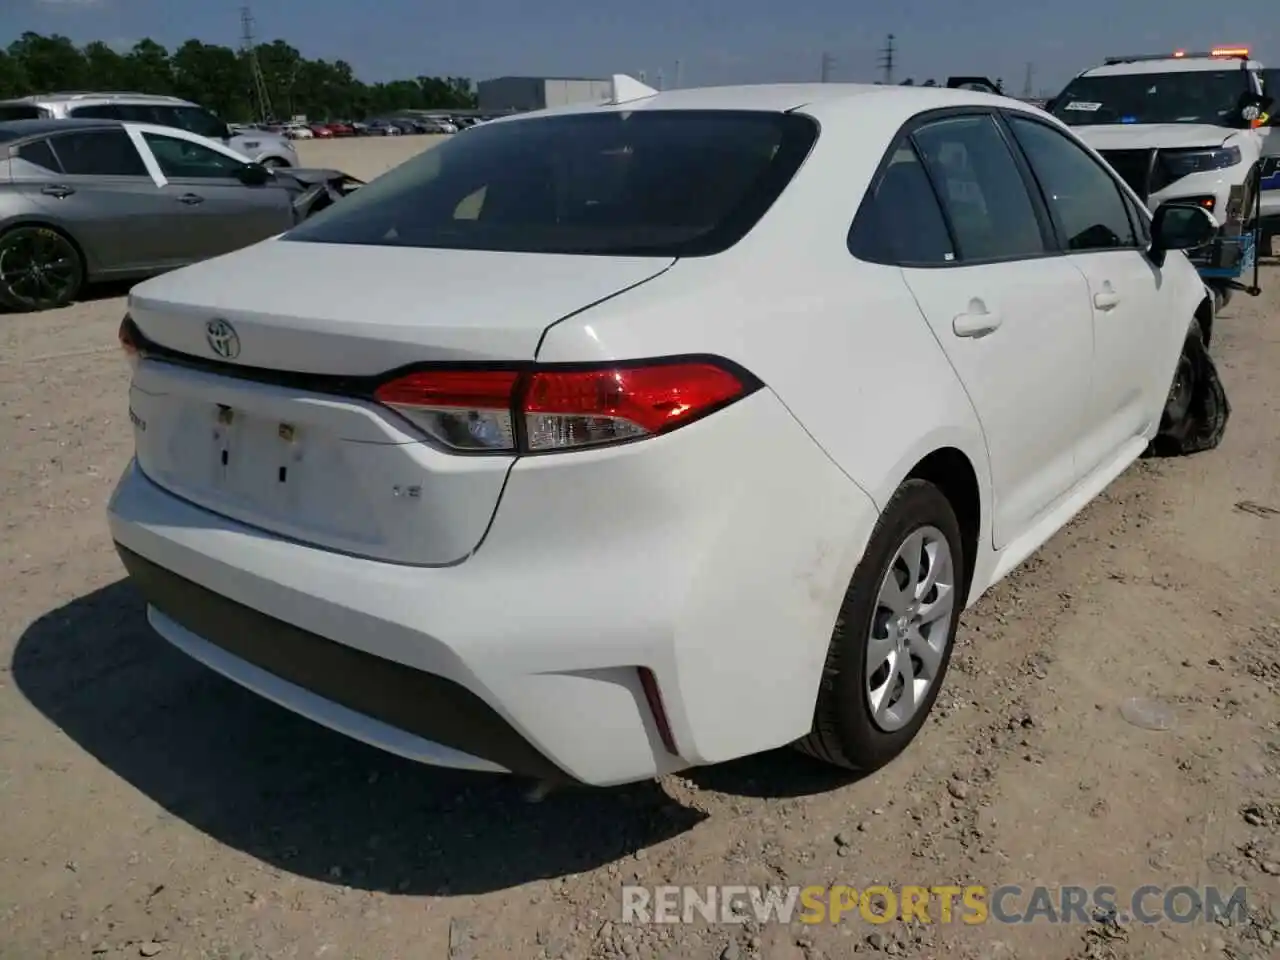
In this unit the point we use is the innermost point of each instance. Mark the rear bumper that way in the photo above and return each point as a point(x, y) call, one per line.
point(406, 711)
point(715, 557)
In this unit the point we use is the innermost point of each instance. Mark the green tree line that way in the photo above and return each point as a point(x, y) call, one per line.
point(219, 78)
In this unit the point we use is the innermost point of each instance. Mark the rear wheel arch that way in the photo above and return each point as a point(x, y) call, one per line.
point(951, 471)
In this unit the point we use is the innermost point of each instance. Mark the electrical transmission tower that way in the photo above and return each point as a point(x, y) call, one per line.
point(886, 59)
point(1028, 85)
point(828, 61)
point(261, 100)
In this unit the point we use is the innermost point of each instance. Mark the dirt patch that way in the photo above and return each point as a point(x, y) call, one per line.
point(153, 809)
point(364, 157)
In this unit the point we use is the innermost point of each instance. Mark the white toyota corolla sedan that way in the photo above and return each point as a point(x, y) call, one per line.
point(725, 404)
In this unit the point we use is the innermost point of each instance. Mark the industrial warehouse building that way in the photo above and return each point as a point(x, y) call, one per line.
point(505, 94)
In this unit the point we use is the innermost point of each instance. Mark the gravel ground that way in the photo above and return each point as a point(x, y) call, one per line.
point(151, 808)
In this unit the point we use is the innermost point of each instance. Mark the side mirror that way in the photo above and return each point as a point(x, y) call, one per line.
point(1180, 226)
point(253, 175)
point(1050, 104)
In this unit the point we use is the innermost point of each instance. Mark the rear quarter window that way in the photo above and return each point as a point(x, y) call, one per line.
point(644, 183)
point(22, 111)
point(39, 154)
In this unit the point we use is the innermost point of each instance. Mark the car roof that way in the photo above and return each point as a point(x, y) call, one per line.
point(91, 96)
point(781, 97)
point(17, 129)
point(1172, 65)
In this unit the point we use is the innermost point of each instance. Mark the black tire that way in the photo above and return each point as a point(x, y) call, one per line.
point(844, 733)
point(1196, 410)
point(40, 269)
point(273, 162)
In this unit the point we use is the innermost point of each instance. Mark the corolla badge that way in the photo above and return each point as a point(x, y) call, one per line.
point(222, 338)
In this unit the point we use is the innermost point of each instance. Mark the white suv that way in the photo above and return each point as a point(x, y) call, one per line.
point(1184, 128)
point(267, 149)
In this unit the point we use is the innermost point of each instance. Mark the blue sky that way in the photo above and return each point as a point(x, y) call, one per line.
point(716, 41)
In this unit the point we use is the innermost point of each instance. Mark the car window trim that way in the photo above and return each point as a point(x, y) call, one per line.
point(1059, 229)
point(906, 133)
point(15, 149)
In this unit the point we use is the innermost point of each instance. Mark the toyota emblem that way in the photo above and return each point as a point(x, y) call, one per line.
point(223, 339)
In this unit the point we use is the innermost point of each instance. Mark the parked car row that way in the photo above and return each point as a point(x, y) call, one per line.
point(377, 127)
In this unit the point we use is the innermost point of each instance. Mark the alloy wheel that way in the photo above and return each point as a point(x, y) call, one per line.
point(39, 268)
point(910, 628)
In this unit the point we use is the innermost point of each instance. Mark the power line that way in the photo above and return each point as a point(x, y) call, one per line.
point(886, 59)
point(261, 99)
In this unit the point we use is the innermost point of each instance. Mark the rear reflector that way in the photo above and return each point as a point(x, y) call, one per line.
point(653, 695)
point(544, 409)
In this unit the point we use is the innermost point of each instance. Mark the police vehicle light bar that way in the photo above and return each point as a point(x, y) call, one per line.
point(1216, 52)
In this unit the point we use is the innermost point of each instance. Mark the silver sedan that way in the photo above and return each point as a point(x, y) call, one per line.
point(97, 200)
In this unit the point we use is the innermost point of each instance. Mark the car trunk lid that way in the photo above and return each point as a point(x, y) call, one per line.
point(361, 310)
point(271, 421)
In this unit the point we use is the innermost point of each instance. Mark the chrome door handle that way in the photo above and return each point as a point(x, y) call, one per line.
point(191, 199)
point(57, 190)
point(1106, 301)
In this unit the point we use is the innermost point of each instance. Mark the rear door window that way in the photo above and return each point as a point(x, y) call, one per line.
point(99, 153)
point(982, 190)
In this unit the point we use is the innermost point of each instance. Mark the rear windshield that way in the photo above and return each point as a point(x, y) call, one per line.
point(21, 111)
point(644, 183)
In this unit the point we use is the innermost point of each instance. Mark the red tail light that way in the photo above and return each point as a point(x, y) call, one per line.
point(561, 408)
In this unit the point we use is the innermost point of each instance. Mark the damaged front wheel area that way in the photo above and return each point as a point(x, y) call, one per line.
point(1196, 410)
